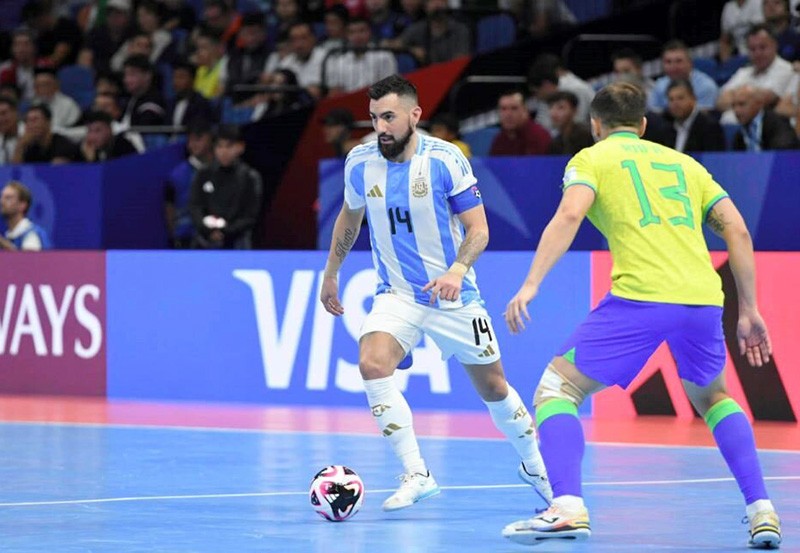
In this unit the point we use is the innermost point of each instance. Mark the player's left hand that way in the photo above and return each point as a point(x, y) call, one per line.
point(517, 308)
point(446, 287)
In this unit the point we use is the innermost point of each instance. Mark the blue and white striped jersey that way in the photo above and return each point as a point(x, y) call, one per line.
point(411, 210)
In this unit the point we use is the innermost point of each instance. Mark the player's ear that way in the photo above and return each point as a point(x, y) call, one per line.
point(595, 124)
point(642, 126)
point(416, 115)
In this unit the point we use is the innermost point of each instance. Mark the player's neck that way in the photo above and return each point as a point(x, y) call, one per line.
point(605, 133)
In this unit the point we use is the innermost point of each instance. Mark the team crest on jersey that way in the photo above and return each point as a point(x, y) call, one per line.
point(419, 187)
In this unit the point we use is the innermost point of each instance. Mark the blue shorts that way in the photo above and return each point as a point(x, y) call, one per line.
point(619, 336)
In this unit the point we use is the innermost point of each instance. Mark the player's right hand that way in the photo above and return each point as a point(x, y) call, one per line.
point(329, 296)
point(517, 308)
point(753, 338)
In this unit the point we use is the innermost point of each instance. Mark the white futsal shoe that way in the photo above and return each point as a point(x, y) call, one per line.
point(765, 530)
point(555, 523)
point(414, 487)
point(539, 481)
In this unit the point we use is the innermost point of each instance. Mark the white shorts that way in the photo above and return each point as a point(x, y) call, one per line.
point(465, 332)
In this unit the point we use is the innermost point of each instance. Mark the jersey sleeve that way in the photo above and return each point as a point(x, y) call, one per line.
point(354, 179)
point(712, 192)
point(459, 169)
point(579, 170)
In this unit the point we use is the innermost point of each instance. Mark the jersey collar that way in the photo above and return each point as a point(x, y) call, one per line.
point(623, 134)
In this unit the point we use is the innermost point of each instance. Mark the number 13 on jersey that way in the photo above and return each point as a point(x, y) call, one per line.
point(675, 193)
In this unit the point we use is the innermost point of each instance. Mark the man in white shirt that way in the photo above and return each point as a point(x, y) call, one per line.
point(768, 73)
point(737, 18)
point(47, 91)
point(358, 67)
point(548, 75)
point(305, 59)
point(22, 233)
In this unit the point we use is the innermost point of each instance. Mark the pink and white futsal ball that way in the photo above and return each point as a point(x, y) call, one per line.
point(336, 493)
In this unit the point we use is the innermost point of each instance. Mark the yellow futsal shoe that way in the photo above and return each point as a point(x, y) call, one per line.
point(765, 530)
point(553, 524)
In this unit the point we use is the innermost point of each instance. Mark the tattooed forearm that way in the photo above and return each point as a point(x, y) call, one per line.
point(716, 222)
point(472, 246)
point(344, 244)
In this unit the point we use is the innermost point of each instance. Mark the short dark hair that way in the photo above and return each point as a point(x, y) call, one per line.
point(10, 102)
point(627, 54)
point(229, 132)
point(393, 84)
point(755, 29)
point(97, 116)
point(23, 192)
point(339, 11)
point(563, 95)
point(184, 65)
point(199, 126)
point(681, 83)
point(139, 61)
point(253, 19)
point(43, 108)
point(359, 19)
point(619, 104)
point(542, 72)
point(513, 91)
point(676, 44)
point(448, 121)
point(43, 70)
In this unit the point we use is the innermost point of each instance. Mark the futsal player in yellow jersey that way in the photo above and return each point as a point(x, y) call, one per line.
point(650, 202)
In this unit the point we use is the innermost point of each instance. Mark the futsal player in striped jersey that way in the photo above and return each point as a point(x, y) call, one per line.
point(650, 202)
point(427, 227)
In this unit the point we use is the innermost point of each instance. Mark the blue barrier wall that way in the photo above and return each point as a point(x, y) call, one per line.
point(248, 327)
point(115, 204)
point(521, 195)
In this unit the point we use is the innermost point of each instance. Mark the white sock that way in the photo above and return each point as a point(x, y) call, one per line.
point(759, 505)
point(569, 503)
point(512, 418)
point(393, 415)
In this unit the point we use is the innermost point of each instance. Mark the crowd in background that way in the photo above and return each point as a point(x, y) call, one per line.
point(88, 80)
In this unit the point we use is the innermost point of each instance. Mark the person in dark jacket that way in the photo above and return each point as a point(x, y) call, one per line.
point(687, 128)
point(761, 129)
point(189, 105)
point(101, 143)
point(145, 105)
point(226, 197)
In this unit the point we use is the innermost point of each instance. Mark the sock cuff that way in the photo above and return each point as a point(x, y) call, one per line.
point(555, 406)
point(508, 404)
point(379, 386)
point(720, 410)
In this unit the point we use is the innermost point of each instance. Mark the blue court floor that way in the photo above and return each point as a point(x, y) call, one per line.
point(101, 488)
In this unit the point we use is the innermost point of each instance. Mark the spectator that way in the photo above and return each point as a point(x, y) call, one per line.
point(518, 136)
point(58, 39)
point(540, 18)
point(548, 75)
point(437, 38)
point(768, 73)
point(11, 92)
point(199, 147)
point(140, 44)
point(358, 67)
point(247, 61)
point(178, 14)
point(287, 96)
point(39, 144)
point(220, 18)
point(628, 64)
point(211, 74)
point(47, 91)
point(101, 143)
point(226, 196)
point(107, 38)
point(149, 18)
point(336, 18)
point(411, 11)
point(761, 129)
point(305, 59)
point(385, 22)
point(337, 127)
point(22, 233)
point(10, 129)
point(778, 17)
point(737, 17)
point(571, 136)
point(286, 14)
point(107, 103)
point(106, 82)
point(445, 126)
point(188, 104)
point(689, 129)
point(676, 61)
point(145, 105)
point(19, 70)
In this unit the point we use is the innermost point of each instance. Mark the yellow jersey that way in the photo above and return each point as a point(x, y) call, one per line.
point(650, 204)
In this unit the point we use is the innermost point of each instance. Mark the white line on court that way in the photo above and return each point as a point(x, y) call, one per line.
point(284, 494)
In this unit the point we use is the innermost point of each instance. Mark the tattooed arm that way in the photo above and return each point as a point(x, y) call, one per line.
point(726, 221)
point(345, 232)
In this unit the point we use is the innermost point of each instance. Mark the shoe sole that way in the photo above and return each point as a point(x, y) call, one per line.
point(766, 539)
point(524, 537)
point(424, 496)
point(521, 475)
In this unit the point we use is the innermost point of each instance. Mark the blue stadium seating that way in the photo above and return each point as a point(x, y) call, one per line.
point(235, 115)
point(729, 131)
point(78, 83)
point(480, 140)
point(406, 62)
point(495, 31)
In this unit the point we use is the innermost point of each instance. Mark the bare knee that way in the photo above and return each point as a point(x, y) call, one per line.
point(493, 389)
point(374, 366)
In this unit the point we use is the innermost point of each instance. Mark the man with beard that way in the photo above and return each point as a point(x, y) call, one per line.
point(428, 226)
